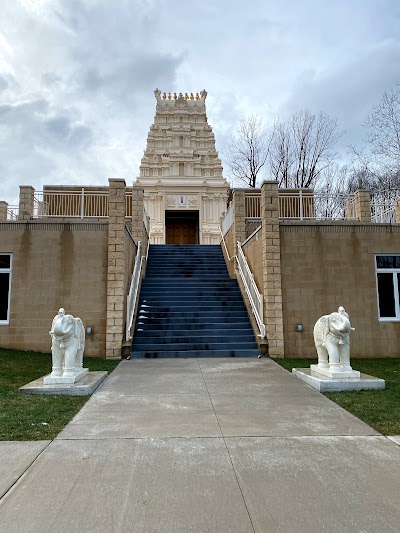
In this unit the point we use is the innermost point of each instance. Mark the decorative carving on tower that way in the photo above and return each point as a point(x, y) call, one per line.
point(180, 160)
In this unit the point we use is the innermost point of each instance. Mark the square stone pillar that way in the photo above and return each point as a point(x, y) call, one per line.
point(397, 204)
point(272, 278)
point(363, 205)
point(116, 268)
point(26, 202)
point(137, 214)
point(3, 210)
point(349, 209)
point(239, 217)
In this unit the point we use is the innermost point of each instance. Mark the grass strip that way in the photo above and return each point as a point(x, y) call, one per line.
point(380, 409)
point(35, 417)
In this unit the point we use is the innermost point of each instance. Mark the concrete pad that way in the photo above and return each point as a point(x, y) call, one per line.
point(149, 486)
point(133, 424)
point(108, 400)
point(327, 384)
point(155, 365)
point(395, 438)
point(16, 457)
point(287, 423)
point(255, 384)
point(87, 385)
point(281, 416)
point(314, 484)
point(155, 383)
point(238, 364)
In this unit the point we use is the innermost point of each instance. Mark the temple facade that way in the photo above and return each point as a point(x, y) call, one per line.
point(185, 193)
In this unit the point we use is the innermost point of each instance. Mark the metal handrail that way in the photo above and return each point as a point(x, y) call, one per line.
point(255, 297)
point(146, 222)
point(134, 287)
point(227, 221)
point(133, 292)
point(226, 248)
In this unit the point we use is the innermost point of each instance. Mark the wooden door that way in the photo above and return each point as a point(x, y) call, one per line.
point(181, 232)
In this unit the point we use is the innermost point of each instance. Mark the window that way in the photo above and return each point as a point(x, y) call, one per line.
point(5, 286)
point(388, 285)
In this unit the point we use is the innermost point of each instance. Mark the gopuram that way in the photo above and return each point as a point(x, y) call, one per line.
point(185, 193)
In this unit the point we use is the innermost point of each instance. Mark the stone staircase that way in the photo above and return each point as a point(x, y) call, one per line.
point(189, 307)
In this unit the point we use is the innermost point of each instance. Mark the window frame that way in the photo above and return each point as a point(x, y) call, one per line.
point(7, 271)
point(395, 276)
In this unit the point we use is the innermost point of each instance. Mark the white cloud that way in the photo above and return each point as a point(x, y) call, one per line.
point(77, 77)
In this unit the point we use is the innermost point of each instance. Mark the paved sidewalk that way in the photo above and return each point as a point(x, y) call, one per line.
point(207, 445)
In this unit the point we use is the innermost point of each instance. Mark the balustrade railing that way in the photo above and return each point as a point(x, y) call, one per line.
point(12, 212)
point(70, 204)
point(334, 207)
point(128, 204)
point(383, 211)
point(298, 204)
point(254, 295)
point(252, 205)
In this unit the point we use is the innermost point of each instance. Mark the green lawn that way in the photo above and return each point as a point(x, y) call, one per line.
point(35, 417)
point(380, 409)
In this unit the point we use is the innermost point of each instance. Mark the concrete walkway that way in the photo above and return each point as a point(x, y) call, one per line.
point(207, 445)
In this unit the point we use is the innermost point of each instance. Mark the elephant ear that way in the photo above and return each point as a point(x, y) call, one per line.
point(80, 332)
point(324, 328)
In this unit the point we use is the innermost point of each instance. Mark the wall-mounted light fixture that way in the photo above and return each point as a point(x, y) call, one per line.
point(89, 330)
point(300, 327)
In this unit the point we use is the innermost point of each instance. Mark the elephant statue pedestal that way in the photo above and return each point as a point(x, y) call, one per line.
point(333, 371)
point(332, 341)
point(344, 371)
point(68, 342)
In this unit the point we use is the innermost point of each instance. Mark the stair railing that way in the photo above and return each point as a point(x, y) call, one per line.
point(255, 297)
point(134, 288)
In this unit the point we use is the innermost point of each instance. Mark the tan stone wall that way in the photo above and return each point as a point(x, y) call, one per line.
point(325, 265)
point(55, 265)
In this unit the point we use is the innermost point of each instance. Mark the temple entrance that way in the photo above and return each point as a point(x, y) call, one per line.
point(182, 227)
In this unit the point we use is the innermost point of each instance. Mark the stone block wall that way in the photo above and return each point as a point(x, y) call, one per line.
point(55, 264)
point(26, 202)
point(272, 282)
point(328, 264)
point(116, 277)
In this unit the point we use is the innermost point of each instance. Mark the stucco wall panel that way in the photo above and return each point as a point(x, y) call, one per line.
point(328, 265)
point(55, 265)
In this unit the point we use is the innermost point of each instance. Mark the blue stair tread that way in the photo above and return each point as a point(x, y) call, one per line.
point(154, 354)
point(190, 307)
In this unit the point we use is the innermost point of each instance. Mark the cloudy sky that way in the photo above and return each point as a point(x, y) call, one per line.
point(77, 76)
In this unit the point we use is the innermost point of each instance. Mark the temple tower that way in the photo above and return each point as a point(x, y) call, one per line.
point(185, 193)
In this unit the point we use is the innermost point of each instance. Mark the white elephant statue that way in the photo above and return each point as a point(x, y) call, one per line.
point(68, 343)
point(332, 341)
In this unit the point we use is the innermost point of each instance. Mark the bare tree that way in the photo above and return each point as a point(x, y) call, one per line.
point(248, 150)
point(301, 148)
point(330, 192)
point(383, 125)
